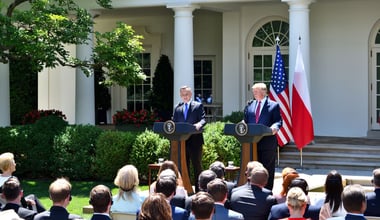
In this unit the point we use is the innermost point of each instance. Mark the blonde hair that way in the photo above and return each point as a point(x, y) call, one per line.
point(288, 175)
point(6, 160)
point(296, 198)
point(127, 179)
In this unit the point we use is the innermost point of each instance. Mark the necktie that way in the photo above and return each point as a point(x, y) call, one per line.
point(257, 114)
point(185, 112)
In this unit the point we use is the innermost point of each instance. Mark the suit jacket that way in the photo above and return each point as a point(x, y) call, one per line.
point(373, 203)
point(179, 213)
point(56, 213)
point(24, 213)
point(281, 211)
point(270, 116)
point(195, 114)
point(253, 202)
point(100, 217)
point(349, 217)
point(221, 213)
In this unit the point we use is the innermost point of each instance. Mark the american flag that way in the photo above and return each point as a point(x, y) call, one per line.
point(279, 92)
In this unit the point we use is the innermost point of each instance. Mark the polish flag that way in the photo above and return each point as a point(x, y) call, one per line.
point(302, 120)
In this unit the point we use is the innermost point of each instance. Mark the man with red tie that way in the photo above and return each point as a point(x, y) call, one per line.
point(191, 112)
point(264, 111)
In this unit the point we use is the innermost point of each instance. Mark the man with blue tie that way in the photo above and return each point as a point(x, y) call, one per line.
point(264, 111)
point(193, 113)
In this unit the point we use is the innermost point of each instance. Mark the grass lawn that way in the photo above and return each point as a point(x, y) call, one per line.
point(80, 193)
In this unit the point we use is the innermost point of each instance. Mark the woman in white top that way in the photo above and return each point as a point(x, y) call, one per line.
point(333, 206)
point(128, 199)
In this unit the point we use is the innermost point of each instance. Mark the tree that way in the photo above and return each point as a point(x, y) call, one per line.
point(162, 91)
point(40, 32)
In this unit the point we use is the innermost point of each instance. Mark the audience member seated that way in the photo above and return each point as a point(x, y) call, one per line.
point(254, 202)
point(281, 210)
point(220, 171)
point(9, 214)
point(167, 184)
point(354, 202)
point(202, 206)
point(13, 193)
point(60, 194)
point(296, 200)
point(7, 167)
point(373, 198)
point(101, 201)
point(128, 199)
point(217, 188)
point(204, 178)
point(168, 164)
point(288, 174)
point(155, 207)
point(333, 206)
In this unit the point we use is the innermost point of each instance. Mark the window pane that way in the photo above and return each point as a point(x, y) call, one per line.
point(207, 68)
point(378, 101)
point(377, 40)
point(378, 88)
point(378, 73)
point(197, 67)
point(268, 61)
point(198, 82)
point(207, 81)
point(257, 75)
point(257, 61)
point(377, 59)
point(267, 74)
point(146, 60)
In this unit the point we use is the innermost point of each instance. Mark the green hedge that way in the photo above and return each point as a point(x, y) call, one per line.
point(51, 148)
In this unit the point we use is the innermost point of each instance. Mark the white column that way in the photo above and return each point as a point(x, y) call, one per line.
point(5, 112)
point(299, 27)
point(183, 47)
point(85, 93)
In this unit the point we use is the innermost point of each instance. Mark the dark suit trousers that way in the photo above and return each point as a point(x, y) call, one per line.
point(266, 154)
point(194, 154)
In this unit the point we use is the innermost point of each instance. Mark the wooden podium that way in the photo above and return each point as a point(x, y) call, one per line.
point(178, 133)
point(248, 135)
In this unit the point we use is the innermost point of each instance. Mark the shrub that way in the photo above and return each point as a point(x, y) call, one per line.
point(138, 118)
point(74, 152)
point(34, 115)
point(113, 149)
point(38, 150)
point(218, 146)
point(147, 148)
point(234, 117)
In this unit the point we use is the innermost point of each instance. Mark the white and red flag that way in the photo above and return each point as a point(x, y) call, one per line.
point(302, 120)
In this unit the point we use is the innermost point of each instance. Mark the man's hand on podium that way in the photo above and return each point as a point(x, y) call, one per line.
point(198, 126)
point(274, 130)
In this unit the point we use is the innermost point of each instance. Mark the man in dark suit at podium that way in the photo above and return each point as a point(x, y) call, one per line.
point(264, 111)
point(191, 112)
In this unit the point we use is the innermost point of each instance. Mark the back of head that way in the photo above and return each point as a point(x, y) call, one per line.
point(202, 205)
point(218, 168)
point(59, 190)
point(204, 178)
point(250, 166)
point(301, 183)
point(288, 175)
point(217, 188)
point(259, 176)
point(100, 198)
point(353, 198)
point(155, 207)
point(11, 189)
point(127, 178)
point(333, 189)
point(376, 177)
point(6, 160)
point(296, 198)
point(166, 185)
point(168, 164)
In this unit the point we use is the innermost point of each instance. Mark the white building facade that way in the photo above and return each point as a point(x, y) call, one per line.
point(222, 47)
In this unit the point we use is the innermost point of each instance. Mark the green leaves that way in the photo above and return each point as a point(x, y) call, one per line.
point(40, 35)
